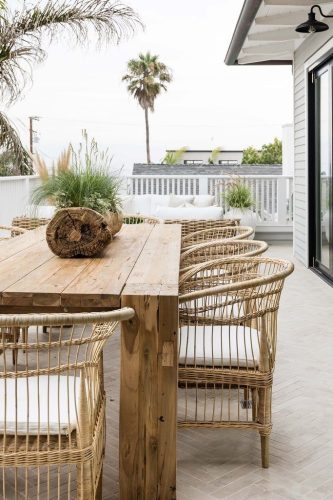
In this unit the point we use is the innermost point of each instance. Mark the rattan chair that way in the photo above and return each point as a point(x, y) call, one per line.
point(52, 405)
point(7, 232)
point(227, 344)
point(216, 249)
point(216, 233)
point(29, 223)
point(191, 226)
point(140, 219)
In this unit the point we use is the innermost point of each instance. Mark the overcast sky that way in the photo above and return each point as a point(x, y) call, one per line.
point(208, 104)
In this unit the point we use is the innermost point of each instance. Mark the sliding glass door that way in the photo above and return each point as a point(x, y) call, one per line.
point(322, 232)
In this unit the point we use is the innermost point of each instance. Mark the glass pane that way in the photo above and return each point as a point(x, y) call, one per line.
point(325, 171)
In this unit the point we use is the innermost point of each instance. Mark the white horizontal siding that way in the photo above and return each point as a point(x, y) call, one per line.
point(306, 51)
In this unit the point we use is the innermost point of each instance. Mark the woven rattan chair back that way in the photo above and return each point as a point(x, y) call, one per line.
point(29, 223)
point(216, 233)
point(52, 405)
point(7, 232)
point(140, 219)
point(191, 226)
point(217, 249)
point(227, 344)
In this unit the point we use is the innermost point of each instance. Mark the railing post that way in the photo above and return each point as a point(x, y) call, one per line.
point(203, 184)
point(27, 190)
point(281, 200)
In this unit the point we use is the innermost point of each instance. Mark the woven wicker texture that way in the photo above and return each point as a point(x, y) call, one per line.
point(191, 226)
point(140, 219)
point(216, 233)
point(227, 344)
point(52, 415)
point(215, 249)
point(29, 223)
point(7, 232)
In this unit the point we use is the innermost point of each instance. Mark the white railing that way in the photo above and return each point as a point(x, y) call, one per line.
point(272, 194)
point(15, 194)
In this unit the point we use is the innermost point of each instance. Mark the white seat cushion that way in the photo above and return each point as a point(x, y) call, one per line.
point(219, 346)
point(57, 397)
point(195, 213)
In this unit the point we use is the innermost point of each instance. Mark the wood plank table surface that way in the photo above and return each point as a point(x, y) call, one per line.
point(140, 269)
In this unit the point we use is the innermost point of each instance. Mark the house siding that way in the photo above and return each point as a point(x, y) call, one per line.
point(304, 54)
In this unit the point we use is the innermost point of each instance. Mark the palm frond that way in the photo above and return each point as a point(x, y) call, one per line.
point(146, 78)
point(11, 142)
point(22, 32)
point(214, 155)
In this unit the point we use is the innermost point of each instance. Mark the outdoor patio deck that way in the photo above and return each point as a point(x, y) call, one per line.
point(219, 464)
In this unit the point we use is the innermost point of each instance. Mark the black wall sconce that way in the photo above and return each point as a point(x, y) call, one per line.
point(312, 25)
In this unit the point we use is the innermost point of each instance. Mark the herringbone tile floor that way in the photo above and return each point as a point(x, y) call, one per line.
point(225, 464)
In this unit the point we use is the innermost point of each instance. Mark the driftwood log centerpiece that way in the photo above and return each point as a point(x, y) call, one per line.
point(78, 232)
point(115, 221)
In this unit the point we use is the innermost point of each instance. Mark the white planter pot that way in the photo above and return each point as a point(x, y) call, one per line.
point(246, 216)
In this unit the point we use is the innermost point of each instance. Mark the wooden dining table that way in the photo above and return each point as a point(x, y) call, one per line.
point(139, 269)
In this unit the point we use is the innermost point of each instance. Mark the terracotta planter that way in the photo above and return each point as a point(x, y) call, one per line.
point(115, 222)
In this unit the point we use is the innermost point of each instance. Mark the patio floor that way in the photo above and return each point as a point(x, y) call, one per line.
point(219, 464)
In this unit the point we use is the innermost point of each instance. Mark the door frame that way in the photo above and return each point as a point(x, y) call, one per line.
point(313, 184)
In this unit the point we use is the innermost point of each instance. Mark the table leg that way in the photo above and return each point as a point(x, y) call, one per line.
point(148, 399)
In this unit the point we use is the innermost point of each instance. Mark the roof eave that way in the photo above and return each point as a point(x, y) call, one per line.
point(245, 20)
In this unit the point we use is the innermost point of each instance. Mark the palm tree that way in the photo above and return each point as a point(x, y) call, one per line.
point(214, 155)
point(21, 36)
point(146, 78)
point(174, 157)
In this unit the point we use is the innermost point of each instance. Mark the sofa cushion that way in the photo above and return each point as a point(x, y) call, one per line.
point(158, 200)
point(195, 213)
point(177, 200)
point(219, 346)
point(137, 204)
point(204, 200)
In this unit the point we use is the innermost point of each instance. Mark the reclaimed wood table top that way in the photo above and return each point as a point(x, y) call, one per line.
point(142, 259)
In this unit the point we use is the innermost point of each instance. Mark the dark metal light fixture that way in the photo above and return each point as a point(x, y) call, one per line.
point(312, 25)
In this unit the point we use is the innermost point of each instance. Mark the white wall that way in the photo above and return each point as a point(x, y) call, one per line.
point(309, 52)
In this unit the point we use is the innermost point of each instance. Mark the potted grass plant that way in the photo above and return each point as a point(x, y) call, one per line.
point(81, 186)
point(239, 199)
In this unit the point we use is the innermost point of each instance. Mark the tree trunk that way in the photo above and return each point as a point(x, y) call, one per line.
point(147, 136)
point(75, 232)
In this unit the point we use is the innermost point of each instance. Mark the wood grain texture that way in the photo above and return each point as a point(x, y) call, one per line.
point(147, 442)
point(140, 268)
point(31, 276)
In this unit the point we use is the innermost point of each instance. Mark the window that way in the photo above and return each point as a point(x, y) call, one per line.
point(320, 170)
point(228, 162)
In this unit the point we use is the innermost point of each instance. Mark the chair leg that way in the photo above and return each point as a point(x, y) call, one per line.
point(85, 481)
point(264, 418)
point(264, 450)
point(99, 490)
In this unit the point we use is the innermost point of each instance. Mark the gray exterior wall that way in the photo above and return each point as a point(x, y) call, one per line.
point(160, 169)
point(311, 50)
